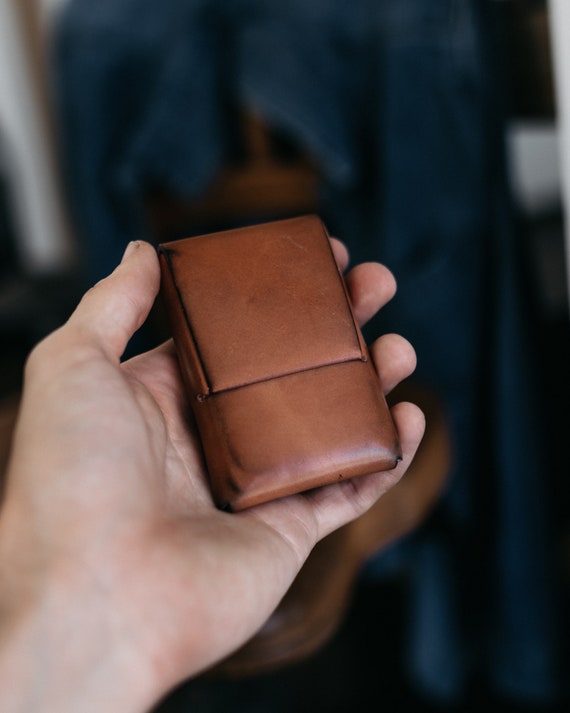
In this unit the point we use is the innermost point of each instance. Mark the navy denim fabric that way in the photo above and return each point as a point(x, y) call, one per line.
point(396, 102)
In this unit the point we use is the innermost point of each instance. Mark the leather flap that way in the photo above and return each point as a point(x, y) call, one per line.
point(263, 301)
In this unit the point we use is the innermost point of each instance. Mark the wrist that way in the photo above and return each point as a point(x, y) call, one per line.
point(54, 657)
point(63, 647)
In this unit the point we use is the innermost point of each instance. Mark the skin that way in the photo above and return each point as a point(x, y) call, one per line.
point(119, 578)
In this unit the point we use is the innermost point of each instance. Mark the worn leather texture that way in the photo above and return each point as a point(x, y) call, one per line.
point(278, 375)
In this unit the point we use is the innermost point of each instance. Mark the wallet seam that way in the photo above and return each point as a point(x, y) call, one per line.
point(227, 389)
point(356, 328)
point(203, 373)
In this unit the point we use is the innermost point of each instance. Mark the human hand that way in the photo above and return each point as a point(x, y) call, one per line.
point(119, 576)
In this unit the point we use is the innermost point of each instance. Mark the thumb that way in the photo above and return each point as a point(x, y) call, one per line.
point(113, 309)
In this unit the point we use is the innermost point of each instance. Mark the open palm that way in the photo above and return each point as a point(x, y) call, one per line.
point(129, 519)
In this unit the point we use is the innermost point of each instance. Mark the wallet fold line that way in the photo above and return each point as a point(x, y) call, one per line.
point(282, 375)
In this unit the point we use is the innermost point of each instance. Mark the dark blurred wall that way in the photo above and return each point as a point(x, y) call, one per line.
point(402, 107)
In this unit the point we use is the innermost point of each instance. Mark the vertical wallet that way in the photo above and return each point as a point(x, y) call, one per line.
point(283, 391)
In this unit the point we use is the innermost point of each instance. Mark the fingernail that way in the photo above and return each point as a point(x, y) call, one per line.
point(130, 249)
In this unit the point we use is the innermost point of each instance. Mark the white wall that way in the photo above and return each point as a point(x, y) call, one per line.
point(27, 155)
point(559, 19)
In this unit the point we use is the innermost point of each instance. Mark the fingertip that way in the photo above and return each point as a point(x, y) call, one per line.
point(394, 358)
point(142, 253)
point(410, 423)
point(131, 248)
point(371, 285)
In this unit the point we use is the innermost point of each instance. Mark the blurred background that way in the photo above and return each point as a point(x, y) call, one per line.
point(431, 135)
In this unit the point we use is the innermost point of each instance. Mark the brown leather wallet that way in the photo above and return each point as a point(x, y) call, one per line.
point(281, 384)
